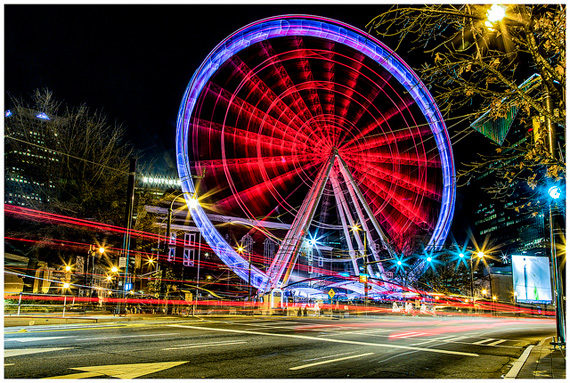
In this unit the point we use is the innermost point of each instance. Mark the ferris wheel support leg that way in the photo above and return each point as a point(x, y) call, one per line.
point(288, 251)
point(337, 195)
point(356, 195)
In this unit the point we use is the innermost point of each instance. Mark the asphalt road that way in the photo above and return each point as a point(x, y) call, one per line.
point(380, 347)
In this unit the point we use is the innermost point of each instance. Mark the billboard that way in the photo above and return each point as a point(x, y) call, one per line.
point(531, 279)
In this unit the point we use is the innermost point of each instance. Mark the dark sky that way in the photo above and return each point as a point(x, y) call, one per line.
point(134, 61)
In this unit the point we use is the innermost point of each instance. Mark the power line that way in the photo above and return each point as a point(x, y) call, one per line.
point(67, 154)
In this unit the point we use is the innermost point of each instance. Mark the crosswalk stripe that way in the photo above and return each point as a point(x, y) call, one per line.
point(484, 341)
point(497, 342)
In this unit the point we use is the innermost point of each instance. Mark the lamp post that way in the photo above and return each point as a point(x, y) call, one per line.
point(555, 192)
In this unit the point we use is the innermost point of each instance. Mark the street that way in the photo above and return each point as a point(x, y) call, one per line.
point(298, 347)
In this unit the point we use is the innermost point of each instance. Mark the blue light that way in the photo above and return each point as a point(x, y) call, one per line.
point(42, 116)
point(461, 255)
point(8, 113)
point(399, 263)
point(429, 259)
point(554, 192)
point(344, 274)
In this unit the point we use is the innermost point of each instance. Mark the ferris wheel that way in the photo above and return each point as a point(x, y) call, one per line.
point(314, 124)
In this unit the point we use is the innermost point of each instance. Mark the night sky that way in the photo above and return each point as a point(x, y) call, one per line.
point(134, 61)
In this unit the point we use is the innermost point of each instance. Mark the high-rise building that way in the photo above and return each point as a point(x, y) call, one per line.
point(27, 157)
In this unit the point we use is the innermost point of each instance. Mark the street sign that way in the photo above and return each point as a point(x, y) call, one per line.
point(122, 261)
point(128, 286)
point(331, 293)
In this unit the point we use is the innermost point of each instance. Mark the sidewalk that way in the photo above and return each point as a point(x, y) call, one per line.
point(54, 319)
point(544, 363)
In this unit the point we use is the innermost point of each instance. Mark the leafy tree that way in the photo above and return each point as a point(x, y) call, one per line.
point(473, 66)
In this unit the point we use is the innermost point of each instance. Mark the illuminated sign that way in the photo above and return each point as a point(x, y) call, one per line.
point(531, 279)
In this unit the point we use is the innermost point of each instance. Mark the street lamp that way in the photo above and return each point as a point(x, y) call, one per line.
point(114, 269)
point(555, 192)
point(495, 14)
point(240, 250)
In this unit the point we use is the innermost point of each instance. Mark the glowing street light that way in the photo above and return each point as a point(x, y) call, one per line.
point(494, 297)
point(66, 285)
point(495, 14)
point(484, 292)
point(480, 255)
point(101, 250)
point(114, 269)
point(193, 203)
point(355, 227)
point(109, 278)
point(399, 263)
point(67, 268)
point(428, 259)
point(554, 192)
point(240, 249)
point(313, 241)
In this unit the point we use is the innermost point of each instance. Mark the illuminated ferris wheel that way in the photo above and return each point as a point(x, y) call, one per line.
point(312, 123)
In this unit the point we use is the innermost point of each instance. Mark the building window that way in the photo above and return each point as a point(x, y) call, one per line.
point(172, 239)
point(189, 239)
point(188, 257)
point(171, 254)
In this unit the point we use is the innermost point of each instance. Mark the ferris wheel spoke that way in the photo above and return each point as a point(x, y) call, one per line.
point(383, 139)
point(375, 125)
point(307, 75)
point(411, 212)
point(258, 116)
point(397, 160)
point(249, 138)
point(247, 163)
point(285, 80)
point(264, 92)
point(268, 185)
point(398, 179)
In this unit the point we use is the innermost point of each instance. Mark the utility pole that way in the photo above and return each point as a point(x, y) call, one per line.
point(128, 222)
point(558, 290)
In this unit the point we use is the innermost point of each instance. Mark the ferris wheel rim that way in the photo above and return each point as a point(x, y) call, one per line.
point(320, 27)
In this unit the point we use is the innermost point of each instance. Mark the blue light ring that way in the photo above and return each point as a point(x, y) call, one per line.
point(313, 26)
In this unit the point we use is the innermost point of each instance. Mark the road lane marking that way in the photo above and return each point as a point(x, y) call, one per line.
point(204, 345)
point(79, 375)
point(26, 351)
point(483, 341)
point(127, 336)
point(120, 371)
point(8, 364)
point(514, 371)
point(328, 356)
point(329, 361)
point(306, 337)
point(33, 339)
point(497, 342)
point(69, 329)
point(397, 355)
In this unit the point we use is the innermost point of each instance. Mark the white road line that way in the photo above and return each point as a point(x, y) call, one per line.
point(412, 335)
point(514, 371)
point(33, 339)
point(497, 342)
point(329, 361)
point(204, 345)
point(484, 341)
point(27, 351)
point(127, 336)
point(331, 340)
point(328, 356)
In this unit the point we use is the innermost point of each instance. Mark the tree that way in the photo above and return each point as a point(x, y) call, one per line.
point(85, 166)
point(74, 160)
point(473, 65)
